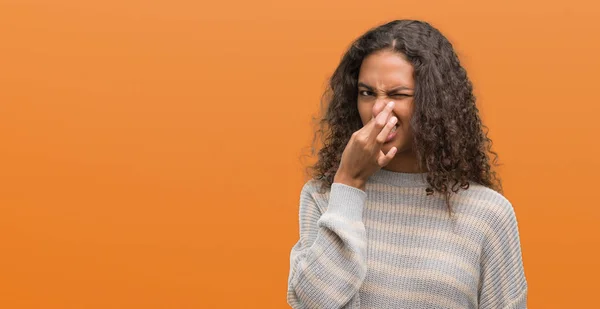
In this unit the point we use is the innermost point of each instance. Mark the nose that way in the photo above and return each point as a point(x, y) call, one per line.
point(379, 105)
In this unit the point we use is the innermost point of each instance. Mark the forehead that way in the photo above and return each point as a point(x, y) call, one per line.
point(386, 69)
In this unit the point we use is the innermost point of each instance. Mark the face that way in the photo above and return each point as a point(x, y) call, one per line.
point(387, 76)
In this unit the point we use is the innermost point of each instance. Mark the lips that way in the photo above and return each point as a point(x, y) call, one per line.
point(392, 134)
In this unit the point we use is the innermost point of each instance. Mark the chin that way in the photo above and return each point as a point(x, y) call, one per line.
point(387, 146)
point(402, 147)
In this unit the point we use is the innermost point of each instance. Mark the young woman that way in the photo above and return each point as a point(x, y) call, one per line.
point(403, 209)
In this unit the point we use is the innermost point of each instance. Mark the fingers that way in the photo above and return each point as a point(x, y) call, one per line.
point(382, 136)
point(381, 120)
point(384, 159)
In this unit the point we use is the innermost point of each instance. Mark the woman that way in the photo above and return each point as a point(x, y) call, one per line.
point(403, 210)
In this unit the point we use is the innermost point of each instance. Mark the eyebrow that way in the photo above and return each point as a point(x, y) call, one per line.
point(360, 84)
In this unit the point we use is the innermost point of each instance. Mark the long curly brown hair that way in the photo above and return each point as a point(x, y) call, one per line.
point(450, 141)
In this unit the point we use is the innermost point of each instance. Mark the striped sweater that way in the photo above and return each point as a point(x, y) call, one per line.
point(393, 246)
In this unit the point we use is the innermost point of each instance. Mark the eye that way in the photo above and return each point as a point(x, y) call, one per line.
point(364, 92)
point(400, 95)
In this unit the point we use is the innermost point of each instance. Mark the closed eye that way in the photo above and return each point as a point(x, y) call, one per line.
point(368, 93)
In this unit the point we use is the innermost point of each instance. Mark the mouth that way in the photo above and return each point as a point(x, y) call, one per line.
point(392, 134)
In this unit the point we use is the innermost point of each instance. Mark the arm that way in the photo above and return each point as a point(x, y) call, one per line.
point(328, 263)
point(503, 284)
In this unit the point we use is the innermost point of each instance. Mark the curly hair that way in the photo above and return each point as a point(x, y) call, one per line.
point(450, 141)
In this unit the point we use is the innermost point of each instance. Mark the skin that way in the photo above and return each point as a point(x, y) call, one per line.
point(385, 96)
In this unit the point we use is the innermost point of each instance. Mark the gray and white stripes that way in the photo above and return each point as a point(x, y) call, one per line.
point(392, 246)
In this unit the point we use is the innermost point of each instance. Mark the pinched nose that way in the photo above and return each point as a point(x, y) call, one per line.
point(379, 106)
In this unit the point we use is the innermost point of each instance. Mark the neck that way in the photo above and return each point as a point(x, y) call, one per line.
point(404, 162)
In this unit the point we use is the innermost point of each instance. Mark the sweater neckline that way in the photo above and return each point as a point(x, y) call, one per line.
point(400, 179)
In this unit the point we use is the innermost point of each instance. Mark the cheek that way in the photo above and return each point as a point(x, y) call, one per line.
point(365, 112)
point(404, 112)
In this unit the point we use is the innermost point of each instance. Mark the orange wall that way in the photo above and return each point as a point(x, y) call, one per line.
point(149, 149)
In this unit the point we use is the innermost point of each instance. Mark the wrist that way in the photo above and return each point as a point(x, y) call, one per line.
point(349, 181)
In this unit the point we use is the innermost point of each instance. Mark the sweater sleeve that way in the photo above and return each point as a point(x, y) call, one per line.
point(328, 262)
point(503, 284)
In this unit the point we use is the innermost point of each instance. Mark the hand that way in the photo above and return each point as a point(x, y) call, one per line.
point(362, 156)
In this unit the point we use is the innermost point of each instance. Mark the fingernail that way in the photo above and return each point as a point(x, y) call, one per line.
point(393, 120)
point(391, 104)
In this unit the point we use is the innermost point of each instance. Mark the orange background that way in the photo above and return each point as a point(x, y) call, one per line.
point(150, 149)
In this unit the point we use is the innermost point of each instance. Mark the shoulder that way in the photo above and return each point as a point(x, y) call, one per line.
point(490, 207)
point(312, 188)
point(311, 194)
